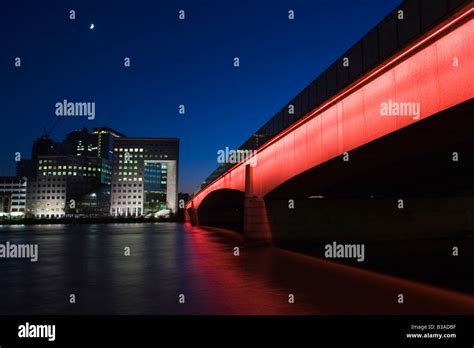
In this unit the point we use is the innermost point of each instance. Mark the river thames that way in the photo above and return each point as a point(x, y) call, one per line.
point(169, 262)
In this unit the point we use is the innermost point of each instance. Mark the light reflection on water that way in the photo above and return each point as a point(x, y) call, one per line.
point(166, 260)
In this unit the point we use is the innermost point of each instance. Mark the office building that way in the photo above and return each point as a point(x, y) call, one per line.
point(97, 174)
point(104, 140)
point(70, 186)
point(144, 176)
point(12, 196)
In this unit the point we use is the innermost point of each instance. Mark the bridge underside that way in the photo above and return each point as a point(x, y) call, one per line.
point(429, 165)
point(414, 164)
point(223, 208)
point(413, 160)
point(359, 199)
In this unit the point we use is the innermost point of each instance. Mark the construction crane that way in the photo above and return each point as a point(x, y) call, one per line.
point(48, 133)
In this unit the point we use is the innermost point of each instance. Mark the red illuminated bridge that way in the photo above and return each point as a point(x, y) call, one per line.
point(388, 148)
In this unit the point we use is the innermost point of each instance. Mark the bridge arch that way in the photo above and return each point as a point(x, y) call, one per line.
point(222, 208)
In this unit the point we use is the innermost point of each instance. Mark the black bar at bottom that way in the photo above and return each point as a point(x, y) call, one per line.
point(136, 330)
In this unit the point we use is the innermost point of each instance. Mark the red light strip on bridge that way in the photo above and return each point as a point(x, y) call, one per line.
point(348, 90)
point(366, 79)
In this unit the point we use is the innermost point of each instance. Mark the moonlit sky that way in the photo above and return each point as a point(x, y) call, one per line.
point(173, 62)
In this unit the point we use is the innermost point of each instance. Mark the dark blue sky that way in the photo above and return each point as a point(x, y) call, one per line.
point(173, 62)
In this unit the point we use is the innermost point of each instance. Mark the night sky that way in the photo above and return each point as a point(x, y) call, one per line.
point(173, 62)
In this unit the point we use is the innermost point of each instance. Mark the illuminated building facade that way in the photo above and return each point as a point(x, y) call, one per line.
point(12, 196)
point(66, 184)
point(144, 176)
point(100, 174)
point(72, 177)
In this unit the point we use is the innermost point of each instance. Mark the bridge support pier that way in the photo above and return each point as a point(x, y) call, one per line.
point(193, 216)
point(256, 226)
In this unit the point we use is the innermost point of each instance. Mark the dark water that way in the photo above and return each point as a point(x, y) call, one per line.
point(425, 260)
point(165, 260)
point(169, 259)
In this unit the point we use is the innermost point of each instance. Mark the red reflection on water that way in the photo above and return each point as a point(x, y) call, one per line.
point(260, 280)
point(232, 283)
